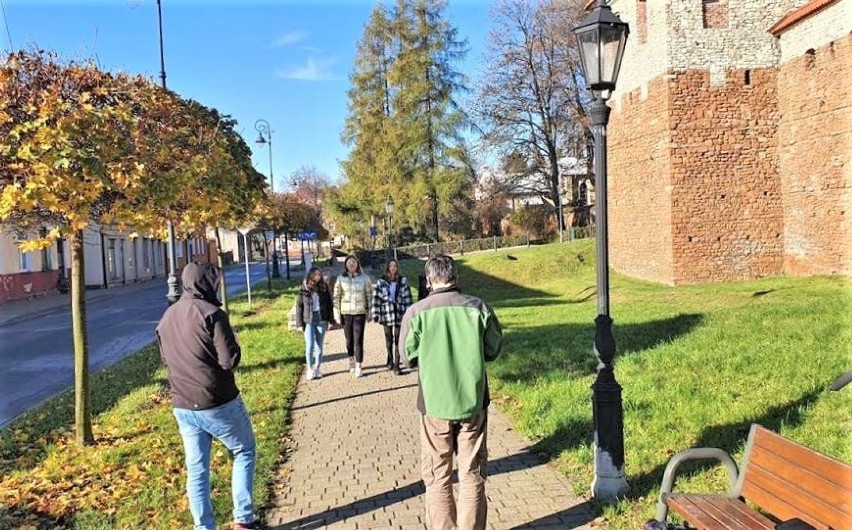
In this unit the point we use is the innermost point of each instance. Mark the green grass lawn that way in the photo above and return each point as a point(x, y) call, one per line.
point(698, 364)
point(134, 477)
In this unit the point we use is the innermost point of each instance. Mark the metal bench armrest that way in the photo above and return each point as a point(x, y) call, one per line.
point(701, 453)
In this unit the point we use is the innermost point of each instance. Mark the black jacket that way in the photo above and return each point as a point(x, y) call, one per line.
point(303, 306)
point(197, 343)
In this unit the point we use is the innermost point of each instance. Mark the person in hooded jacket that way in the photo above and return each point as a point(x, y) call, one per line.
point(391, 297)
point(200, 351)
point(314, 312)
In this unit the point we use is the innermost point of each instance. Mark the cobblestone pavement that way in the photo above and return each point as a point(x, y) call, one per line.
point(354, 457)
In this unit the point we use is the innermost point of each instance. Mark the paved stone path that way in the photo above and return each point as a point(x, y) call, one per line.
point(355, 457)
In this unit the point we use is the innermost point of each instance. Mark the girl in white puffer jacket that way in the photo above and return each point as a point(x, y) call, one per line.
point(352, 299)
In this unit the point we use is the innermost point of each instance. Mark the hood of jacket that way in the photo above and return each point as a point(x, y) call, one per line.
point(201, 281)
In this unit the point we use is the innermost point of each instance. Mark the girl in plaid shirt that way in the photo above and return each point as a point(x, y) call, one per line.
point(391, 298)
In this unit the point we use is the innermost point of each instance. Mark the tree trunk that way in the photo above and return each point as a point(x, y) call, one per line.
point(82, 403)
point(287, 254)
point(266, 251)
point(223, 289)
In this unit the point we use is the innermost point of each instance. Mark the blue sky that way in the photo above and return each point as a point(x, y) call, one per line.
point(285, 61)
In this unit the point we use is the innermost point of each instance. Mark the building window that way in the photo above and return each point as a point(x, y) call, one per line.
point(642, 20)
point(715, 13)
point(24, 260)
point(583, 195)
point(145, 259)
point(111, 260)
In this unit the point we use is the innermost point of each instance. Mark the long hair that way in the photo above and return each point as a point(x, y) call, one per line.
point(388, 273)
point(313, 285)
point(358, 263)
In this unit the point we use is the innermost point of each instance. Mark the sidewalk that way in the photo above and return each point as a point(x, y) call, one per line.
point(354, 457)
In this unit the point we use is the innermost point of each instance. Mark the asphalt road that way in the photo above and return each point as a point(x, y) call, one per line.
point(37, 353)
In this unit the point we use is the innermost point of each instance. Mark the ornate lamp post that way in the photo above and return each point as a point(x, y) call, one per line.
point(389, 206)
point(172, 281)
point(602, 37)
point(264, 136)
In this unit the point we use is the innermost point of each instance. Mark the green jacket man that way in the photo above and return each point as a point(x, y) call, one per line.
point(450, 336)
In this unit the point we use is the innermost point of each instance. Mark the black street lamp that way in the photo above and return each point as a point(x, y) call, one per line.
point(264, 131)
point(389, 209)
point(172, 281)
point(601, 37)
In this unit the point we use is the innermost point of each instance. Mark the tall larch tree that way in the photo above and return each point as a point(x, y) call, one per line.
point(429, 120)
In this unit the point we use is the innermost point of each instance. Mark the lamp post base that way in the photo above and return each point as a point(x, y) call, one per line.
point(173, 293)
point(609, 482)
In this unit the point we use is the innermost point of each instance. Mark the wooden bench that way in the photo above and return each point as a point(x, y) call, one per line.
point(785, 480)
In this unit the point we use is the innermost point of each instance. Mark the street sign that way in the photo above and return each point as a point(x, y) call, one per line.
point(269, 234)
point(374, 232)
point(307, 236)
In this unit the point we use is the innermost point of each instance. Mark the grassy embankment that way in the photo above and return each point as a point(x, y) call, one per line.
point(698, 364)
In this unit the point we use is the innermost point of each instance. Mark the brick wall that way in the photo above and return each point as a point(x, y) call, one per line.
point(727, 160)
point(715, 13)
point(815, 159)
point(639, 190)
point(27, 285)
point(726, 198)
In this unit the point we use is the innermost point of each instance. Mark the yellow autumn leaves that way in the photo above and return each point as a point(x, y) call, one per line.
point(80, 145)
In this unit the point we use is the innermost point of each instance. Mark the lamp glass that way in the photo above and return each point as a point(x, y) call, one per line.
point(613, 39)
point(389, 206)
point(601, 37)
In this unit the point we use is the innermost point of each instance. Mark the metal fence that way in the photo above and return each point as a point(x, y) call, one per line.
point(425, 250)
point(461, 247)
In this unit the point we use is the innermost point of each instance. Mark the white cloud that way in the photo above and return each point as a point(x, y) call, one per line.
point(291, 37)
point(313, 70)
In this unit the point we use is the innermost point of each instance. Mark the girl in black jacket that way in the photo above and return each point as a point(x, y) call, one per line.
point(313, 313)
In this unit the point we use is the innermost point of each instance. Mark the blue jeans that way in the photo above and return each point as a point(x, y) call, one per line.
point(314, 336)
point(230, 424)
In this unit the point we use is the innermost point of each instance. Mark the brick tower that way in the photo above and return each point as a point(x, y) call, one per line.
point(730, 140)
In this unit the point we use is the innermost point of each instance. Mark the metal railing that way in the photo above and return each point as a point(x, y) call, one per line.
point(460, 247)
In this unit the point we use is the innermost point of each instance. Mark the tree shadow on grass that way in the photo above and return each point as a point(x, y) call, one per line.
point(500, 290)
point(557, 350)
point(730, 437)
point(260, 325)
point(528, 302)
point(570, 434)
point(21, 517)
point(266, 365)
point(25, 441)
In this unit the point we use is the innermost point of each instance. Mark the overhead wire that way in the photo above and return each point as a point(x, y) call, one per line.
point(6, 24)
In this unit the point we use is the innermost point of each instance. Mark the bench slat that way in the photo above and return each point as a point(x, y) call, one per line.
point(785, 501)
point(694, 515)
point(800, 456)
point(713, 512)
point(719, 507)
point(743, 512)
point(803, 479)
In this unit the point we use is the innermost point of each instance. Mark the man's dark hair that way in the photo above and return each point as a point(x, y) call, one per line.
point(441, 269)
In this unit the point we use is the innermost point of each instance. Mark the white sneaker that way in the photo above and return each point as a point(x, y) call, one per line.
point(310, 374)
point(317, 373)
point(358, 372)
point(351, 368)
